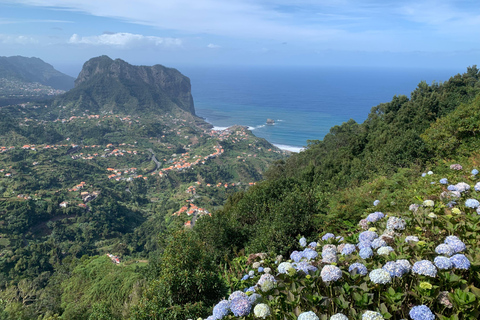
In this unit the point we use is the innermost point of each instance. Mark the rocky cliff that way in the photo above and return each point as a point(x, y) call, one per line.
point(105, 85)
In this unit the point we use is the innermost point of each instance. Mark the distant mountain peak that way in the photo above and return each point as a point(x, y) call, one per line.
point(107, 85)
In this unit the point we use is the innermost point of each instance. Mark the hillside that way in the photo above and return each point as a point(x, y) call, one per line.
point(114, 86)
point(34, 70)
point(158, 217)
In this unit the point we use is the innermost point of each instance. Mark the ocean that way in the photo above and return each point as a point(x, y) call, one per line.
point(304, 102)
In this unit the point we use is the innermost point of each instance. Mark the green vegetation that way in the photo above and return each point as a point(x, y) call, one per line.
point(187, 213)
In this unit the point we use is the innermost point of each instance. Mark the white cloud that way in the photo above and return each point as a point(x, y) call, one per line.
point(213, 46)
point(125, 40)
point(11, 39)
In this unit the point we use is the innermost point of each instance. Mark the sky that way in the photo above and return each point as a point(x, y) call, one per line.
point(358, 33)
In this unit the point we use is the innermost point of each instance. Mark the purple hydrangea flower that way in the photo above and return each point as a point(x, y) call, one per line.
point(444, 181)
point(452, 188)
point(364, 244)
point(240, 306)
point(405, 264)
point(330, 273)
point(296, 256)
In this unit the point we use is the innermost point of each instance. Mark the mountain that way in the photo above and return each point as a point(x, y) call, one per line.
point(115, 86)
point(31, 70)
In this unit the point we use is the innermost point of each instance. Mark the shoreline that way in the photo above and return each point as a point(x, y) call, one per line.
point(278, 145)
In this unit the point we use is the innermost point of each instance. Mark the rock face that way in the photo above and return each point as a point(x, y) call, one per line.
point(34, 70)
point(106, 85)
point(270, 121)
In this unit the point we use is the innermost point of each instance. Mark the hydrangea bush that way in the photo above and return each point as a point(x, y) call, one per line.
point(421, 262)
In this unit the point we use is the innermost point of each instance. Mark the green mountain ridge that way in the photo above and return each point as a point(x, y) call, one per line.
point(114, 86)
point(31, 70)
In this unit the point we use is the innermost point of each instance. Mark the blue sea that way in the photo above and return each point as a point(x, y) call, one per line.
point(304, 102)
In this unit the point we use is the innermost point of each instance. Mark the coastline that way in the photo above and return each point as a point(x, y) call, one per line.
point(280, 146)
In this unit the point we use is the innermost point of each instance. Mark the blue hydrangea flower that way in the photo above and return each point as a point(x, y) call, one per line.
point(376, 202)
point(365, 253)
point(305, 267)
point(372, 315)
point(211, 318)
point(261, 310)
point(477, 186)
point(312, 244)
point(385, 250)
point(251, 273)
point(424, 174)
point(221, 309)
point(367, 236)
point(380, 276)
point(245, 277)
point(303, 242)
point(260, 269)
point(237, 294)
point(444, 181)
point(348, 249)
point(457, 246)
point(329, 250)
point(240, 306)
point(358, 268)
point(330, 273)
point(405, 264)
point(284, 266)
point(309, 315)
point(264, 278)
point(452, 188)
point(395, 269)
point(394, 223)
point(251, 289)
point(444, 249)
point(375, 216)
point(310, 254)
point(474, 172)
point(472, 203)
point(460, 261)
point(364, 244)
point(421, 313)
point(339, 238)
point(443, 263)
point(328, 236)
point(339, 316)
point(449, 239)
point(425, 268)
point(255, 298)
point(296, 256)
point(411, 238)
point(329, 256)
point(377, 243)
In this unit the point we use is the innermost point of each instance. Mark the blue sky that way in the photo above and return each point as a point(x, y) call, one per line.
point(380, 33)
